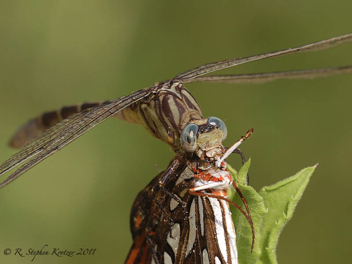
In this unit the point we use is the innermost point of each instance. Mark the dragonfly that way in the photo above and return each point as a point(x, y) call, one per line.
point(164, 109)
point(169, 112)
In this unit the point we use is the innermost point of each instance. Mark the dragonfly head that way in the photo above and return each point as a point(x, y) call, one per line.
point(204, 138)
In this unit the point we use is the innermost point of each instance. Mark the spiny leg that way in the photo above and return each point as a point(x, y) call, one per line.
point(238, 151)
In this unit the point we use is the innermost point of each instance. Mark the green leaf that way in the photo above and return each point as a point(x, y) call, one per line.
point(270, 209)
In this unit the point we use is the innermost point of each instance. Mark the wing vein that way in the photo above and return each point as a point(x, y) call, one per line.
point(64, 133)
point(211, 67)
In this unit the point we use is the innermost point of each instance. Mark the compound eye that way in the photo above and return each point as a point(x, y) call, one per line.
point(189, 138)
point(217, 122)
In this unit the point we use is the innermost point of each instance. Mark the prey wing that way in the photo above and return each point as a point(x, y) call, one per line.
point(198, 231)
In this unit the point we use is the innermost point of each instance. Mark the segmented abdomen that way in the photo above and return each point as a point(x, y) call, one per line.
point(34, 127)
point(163, 114)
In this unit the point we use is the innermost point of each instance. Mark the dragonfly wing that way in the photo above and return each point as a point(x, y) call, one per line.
point(216, 66)
point(63, 133)
point(272, 76)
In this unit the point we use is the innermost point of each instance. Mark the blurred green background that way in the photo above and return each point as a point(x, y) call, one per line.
point(56, 53)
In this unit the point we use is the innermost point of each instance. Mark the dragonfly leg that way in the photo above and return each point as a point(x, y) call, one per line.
point(175, 167)
point(177, 199)
point(238, 151)
point(162, 209)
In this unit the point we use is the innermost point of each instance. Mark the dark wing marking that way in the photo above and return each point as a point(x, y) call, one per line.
point(211, 67)
point(192, 235)
point(272, 76)
point(167, 231)
point(211, 223)
point(148, 209)
point(65, 132)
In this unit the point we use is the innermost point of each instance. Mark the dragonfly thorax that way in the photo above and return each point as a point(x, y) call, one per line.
point(172, 115)
point(165, 112)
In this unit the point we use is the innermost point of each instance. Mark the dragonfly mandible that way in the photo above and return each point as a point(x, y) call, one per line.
point(156, 108)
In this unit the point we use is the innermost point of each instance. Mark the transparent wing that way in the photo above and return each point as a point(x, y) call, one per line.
point(216, 66)
point(272, 76)
point(63, 133)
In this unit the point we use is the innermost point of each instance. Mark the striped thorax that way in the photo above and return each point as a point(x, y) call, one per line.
point(165, 112)
point(172, 115)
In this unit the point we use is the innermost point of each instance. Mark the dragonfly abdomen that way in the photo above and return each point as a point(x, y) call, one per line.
point(163, 114)
point(36, 126)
